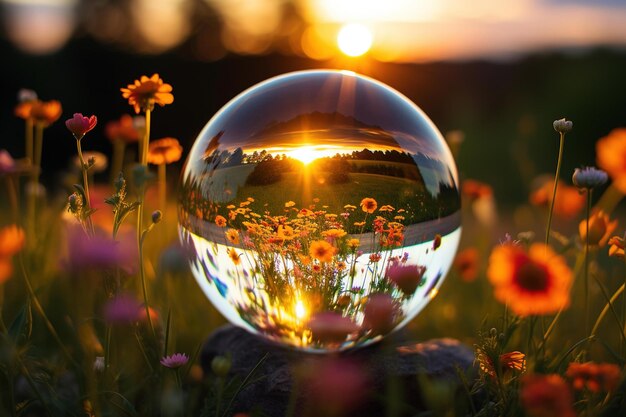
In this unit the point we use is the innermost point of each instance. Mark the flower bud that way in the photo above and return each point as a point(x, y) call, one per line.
point(589, 177)
point(562, 125)
point(156, 216)
point(220, 365)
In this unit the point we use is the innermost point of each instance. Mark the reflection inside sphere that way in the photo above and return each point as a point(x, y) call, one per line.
point(320, 209)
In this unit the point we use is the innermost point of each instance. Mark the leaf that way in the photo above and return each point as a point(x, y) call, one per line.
point(21, 328)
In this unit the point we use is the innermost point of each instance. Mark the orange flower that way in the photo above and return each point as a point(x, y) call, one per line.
point(617, 247)
point(220, 221)
point(234, 256)
point(533, 282)
point(46, 112)
point(164, 151)
point(11, 241)
point(23, 110)
point(322, 251)
point(146, 92)
point(123, 129)
point(568, 202)
point(546, 395)
point(511, 361)
point(368, 205)
point(466, 264)
point(601, 377)
point(474, 190)
point(334, 233)
point(233, 236)
point(600, 228)
point(611, 156)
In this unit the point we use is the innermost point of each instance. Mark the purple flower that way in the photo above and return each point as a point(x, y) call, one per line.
point(99, 252)
point(123, 309)
point(589, 177)
point(174, 361)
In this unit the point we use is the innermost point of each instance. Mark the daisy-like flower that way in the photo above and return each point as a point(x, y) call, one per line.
point(233, 236)
point(124, 130)
point(334, 233)
point(600, 228)
point(353, 243)
point(569, 202)
point(322, 251)
point(533, 282)
point(164, 151)
point(511, 361)
point(220, 221)
point(289, 204)
point(46, 112)
point(368, 205)
point(146, 92)
point(79, 125)
point(175, 361)
point(234, 256)
point(596, 377)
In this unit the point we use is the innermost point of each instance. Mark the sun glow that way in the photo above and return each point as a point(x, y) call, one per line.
point(308, 154)
point(354, 39)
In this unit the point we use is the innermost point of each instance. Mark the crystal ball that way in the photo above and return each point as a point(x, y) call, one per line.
point(320, 210)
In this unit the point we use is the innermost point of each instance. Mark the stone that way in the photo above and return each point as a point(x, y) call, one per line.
point(388, 374)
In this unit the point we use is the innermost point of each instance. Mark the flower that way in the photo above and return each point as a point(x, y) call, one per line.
point(617, 247)
point(466, 264)
point(511, 361)
point(611, 156)
point(220, 221)
point(98, 364)
point(334, 233)
point(79, 125)
point(353, 243)
point(46, 112)
point(533, 282)
point(568, 201)
point(330, 327)
point(322, 251)
point(589, 177)
point(11, 242)
point(233, 236)
point(475, 190)
point(174, 361)
point(379, 313)
point(234, 256)
point(368, 205)
point(437, 241)
point(601, 377)
point(600, 228)
point(123, 309)
point(546, 395)
point(164, 151)
point(406, 277)
point(562, 125)
point(7, 163)
point(289, 204)
point(97, 161)
point(99, 252)
point(123, 129)
point(146, 92)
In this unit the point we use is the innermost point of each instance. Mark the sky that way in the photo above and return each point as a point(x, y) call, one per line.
point(402, 30)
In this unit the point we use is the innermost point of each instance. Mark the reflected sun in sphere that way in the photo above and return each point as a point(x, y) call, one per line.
point(354, 39)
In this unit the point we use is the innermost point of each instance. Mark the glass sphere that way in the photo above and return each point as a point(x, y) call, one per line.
point(320, 210)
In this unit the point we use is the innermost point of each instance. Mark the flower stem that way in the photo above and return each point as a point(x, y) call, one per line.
point(84, 168)
point(144, 288)
point(556, 183)
point(29, 140)
point(146, 140)
point(586, 270)
point(117, 165)
point(12, 195)
point(162, 188)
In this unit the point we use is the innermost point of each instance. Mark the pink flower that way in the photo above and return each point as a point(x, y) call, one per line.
point(79, 124)
point(406, 277)
point(174, 361)
point(331, 327)
point(123, 309)
point(7, 164)
point(380, 313)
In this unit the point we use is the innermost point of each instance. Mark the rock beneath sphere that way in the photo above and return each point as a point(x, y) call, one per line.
point(363, 382)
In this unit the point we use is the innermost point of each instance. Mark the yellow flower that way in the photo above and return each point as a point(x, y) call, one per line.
point(353, 243)
point(369, 205)
point(290, 204)
point(146, 92)
point(233, 236)
point(164, 151)
point(334, 233)
point(285, 232)
point(322, 251)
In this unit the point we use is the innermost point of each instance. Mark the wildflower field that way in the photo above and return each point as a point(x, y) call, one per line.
point(100, 314)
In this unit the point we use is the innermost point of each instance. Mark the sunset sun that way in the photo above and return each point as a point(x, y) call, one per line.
point(354, 39)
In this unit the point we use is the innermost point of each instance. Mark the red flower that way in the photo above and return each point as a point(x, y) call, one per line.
point(79, 125)
point(596, 377)
point(547, 395)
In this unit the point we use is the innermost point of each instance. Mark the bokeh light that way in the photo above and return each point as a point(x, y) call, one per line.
point(354, 39)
